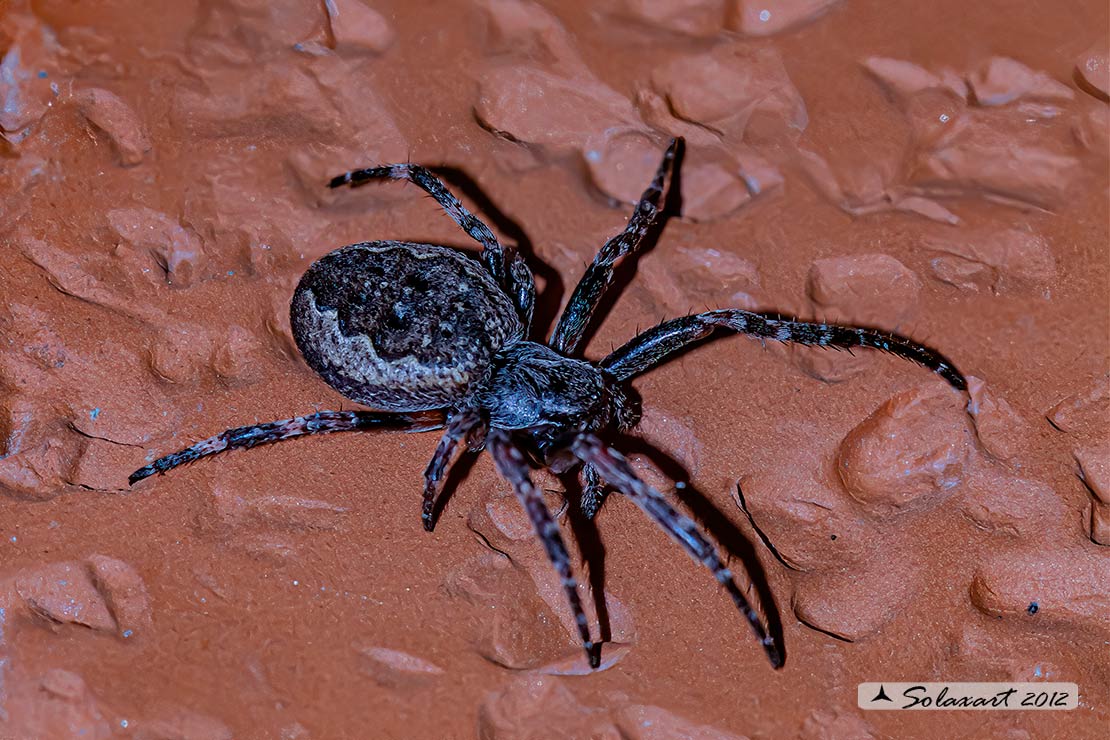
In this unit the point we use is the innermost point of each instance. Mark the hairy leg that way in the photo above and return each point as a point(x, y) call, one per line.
point(593, 491)
point(323, 422)
point(460, 427)
point(587, 294)
point(511, 464)
point(493, 254)
point(656, 345)
point(615, 469)
point(522, 290)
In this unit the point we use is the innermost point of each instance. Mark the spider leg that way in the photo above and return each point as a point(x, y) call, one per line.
point(656, 345)
point(615, 469)
point(323, 422)
point(587, 294)
point(459, 428)
point(511, 464)
point(493, 254)
point(593, 491)
point(522, 289)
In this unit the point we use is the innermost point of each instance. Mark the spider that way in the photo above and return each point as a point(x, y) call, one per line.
point(432, 338)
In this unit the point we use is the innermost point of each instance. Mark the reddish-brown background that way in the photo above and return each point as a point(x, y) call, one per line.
point(161, 176)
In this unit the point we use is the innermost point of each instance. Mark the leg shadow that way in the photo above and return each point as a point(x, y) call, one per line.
point(731, 539)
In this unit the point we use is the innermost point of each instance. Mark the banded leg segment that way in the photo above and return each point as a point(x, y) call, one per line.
point(461, 426)
point(593, 491)
point(656, 345)
point(323, 422)
point(493, 254)
point(615, 469)
point(513, 467)
point(522, 289)
point(599, 275)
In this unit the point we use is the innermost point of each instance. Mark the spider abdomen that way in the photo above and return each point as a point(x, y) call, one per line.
point(400, 326)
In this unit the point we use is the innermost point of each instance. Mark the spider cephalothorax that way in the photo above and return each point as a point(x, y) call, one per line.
point(431, 338)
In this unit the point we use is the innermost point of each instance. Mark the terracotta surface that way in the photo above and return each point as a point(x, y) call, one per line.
point(937, 167)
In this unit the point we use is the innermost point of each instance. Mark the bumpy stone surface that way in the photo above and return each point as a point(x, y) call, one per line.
point(1093, 68)
point(1062, 589)
point(1084, 408)
point(560, 114)
point(868, 290)
point(64, 593)
point(712, 192)
point(761, 18)
point(970, 134)
point(522, 633)
point(30, 54)
point(704, 275)
point(978, 156)
point(853, 606)
point(873, 289)
point(733, 89)
point(235, 512)
point(163, 188)
point(124, 593)
point(999, 261)
point(830, 724)
point(103, 594)
point(178, 251)
point(639, 722)
point(98, 465)
point(57, 703)
point(811, 526)
point(38, 455)
point(1094, 469)
point(905, 79)
point(910, 453)
point(1001, 430)
point(358, 27)
point(539, 708)
point(182, 724)
point(396, 669)
point(623, 164)
point(108, 113)
point(1016, 507)
point(698, 18)
point(1001, 81)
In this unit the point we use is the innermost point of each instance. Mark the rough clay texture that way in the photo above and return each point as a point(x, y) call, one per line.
point(939, 168)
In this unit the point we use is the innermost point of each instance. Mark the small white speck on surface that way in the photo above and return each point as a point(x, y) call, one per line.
point(764, 15)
